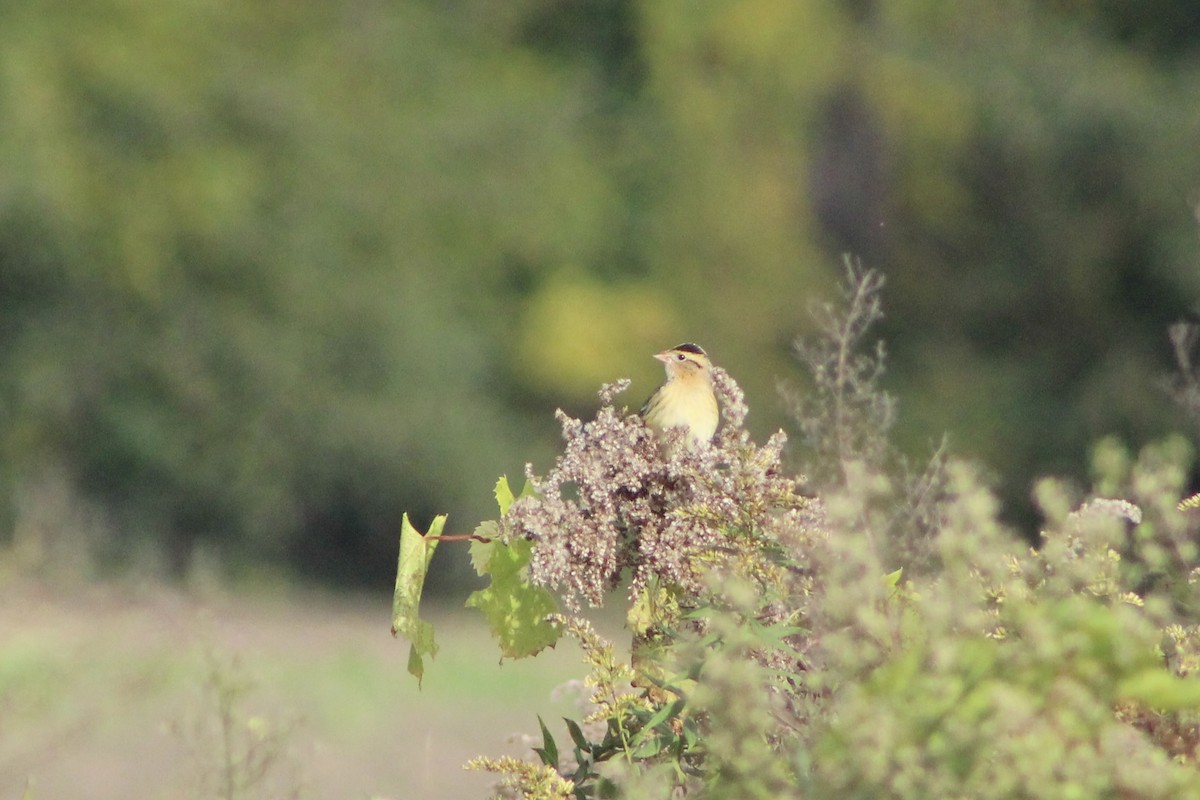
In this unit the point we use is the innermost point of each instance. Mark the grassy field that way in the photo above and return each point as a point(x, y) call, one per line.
point(110, 692)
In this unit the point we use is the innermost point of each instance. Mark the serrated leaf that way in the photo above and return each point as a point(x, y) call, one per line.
point(416, 551)
point(481, 552)
point(514, 608)
point(504, 495)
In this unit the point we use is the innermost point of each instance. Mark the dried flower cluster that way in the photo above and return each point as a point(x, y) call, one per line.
point(619, 498)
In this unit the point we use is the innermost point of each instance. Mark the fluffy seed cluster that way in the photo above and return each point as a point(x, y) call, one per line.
point(619, 498)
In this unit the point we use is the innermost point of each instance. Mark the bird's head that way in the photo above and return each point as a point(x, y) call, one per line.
point(686, 361)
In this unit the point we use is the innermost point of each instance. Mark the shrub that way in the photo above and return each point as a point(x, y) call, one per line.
point(784, 645)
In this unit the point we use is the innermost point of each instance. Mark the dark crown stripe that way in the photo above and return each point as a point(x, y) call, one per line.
point(690, 347)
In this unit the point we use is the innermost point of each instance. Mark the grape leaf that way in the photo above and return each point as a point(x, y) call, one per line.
point(415, 553)
point(482, 551)
point(504, 495)
point(514, 608)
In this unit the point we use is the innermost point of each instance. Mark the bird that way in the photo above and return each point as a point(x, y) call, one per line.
point(686, 399)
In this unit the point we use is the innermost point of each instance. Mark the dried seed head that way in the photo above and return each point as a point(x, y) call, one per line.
point(618, 498)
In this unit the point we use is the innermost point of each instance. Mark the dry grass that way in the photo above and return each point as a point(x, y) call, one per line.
point(102, 695)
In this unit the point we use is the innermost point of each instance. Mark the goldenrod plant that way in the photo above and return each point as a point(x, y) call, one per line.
point(783, 646)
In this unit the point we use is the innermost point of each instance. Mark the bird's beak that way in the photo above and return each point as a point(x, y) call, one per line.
point(664, 356)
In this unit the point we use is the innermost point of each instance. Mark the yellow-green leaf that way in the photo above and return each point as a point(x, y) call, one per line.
point(1161, 690)
point(416, 551)
point(515, 609)
point(504, 495)
point(481, 552)
point(892, 579)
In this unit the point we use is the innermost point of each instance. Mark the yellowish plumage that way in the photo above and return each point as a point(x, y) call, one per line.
point(686, 399)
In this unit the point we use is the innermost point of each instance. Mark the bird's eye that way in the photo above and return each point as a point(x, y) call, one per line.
point(680, 357)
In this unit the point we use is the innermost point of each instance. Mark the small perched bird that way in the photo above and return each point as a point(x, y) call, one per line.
point(686, 399)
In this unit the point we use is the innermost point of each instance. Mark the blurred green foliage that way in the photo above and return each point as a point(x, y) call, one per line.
point(270, 274)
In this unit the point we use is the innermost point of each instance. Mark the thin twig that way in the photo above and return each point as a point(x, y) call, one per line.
point(460, 537)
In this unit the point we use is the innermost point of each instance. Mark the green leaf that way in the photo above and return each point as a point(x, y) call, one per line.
point(654, 607)
point(650, 740)
point(892, 579)
point(668, 711)
point(514, 608)
point(691, 736)
point(577, 735)
point(416, 551)
point(548, 752)
point(504, 495)
point(649, 746)
point(579, 778)
point(481, 552)
point(1161, 690)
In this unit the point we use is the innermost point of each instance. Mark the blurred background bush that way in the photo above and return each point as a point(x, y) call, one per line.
point(273, 273)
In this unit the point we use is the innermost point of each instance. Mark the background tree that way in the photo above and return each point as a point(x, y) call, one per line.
point(270, 275)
